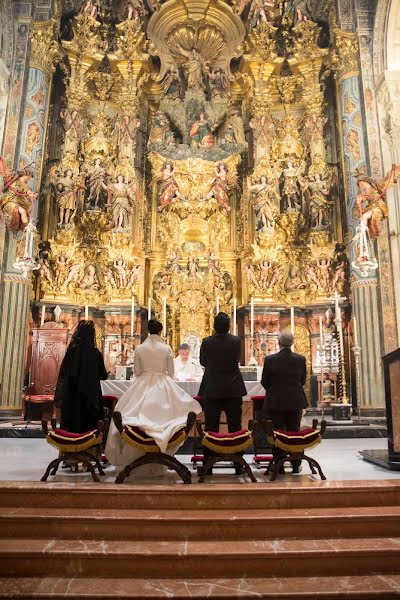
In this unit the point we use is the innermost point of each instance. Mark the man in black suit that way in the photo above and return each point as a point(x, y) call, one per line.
point(222, 385)
point(283, 377)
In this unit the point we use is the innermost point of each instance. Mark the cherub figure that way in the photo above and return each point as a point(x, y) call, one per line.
point(73, 274)
point(324, 273)
point(62, 264)
point(17, 200)
point(119, 265)
point(134, 275)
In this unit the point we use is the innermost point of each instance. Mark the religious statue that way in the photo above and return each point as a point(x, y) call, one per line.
point(120, 199)
point(172, 265)
point(266, 204)
point(109, 278)
point(96, 182)
point(192, 266)
point(320, 206)
point(90, 281)
point(324, 274)
point(200, 133)
point(299, 10)
point(120, 266)
point(133, 276)
point(171, 83)
point(61, 270)
point(294, 281)
point(126, 128)
point(73, 275)
point(291, 190)
point(74, 128)
point(233, 132)
point(196, 69)
point(90, 7)
point(169, 189)
point(328, 390)
point(66, 194)
point(45, 272)
point(265, 272)
point(370, 200)
point(220, 187)
point(314, 125)
point(263, 131)
point(311, 276)
point(160, 131)
point(261, 11)
point(219, 83)
point(214, 268)
point(132, 10)
point(17, 200)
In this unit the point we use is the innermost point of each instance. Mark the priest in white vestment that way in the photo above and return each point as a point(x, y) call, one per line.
point(186, 367)
point(153, 402)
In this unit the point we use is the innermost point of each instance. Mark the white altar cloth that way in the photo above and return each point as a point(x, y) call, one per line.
point(116, 387)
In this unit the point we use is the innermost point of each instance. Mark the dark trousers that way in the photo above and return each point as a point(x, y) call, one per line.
point(288, 420)
point(213, 407)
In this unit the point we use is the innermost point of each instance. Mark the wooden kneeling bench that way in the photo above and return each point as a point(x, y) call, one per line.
point(293, 444)
point(75, 448)
point(225, 447)
point(137, 438)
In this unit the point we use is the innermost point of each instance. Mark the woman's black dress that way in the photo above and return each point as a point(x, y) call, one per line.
point(78, 390)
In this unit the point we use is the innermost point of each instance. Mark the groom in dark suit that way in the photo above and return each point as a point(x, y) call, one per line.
point(222, 385)
point(283, 377)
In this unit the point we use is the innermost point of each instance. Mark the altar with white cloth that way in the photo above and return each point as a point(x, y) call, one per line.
point(116, 387)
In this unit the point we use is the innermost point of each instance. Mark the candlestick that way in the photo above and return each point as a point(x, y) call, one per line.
point(86, 313)
point(355, 331)
point(165, 316)
point(252, 317)
point(149, 309)
point(133, 316)
point(234, 317)
point(42, 315)
point(321, 337)
point(217, 304)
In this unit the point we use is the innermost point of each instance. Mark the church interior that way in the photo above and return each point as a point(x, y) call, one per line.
point(171, 160)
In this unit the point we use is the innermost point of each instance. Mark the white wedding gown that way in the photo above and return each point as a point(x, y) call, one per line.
point(153, 402)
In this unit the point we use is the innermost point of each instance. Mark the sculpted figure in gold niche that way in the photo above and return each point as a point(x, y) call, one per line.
point(169, 189)
point(196, 69)
point(16, 203)
point(370, 201)
point(120, 200)
point(266, 203)
point(66, 191)
point(220, 185)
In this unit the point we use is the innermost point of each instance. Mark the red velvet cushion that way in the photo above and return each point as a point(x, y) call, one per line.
point(69, 434)
point(197, 458)
point(219, 434)
point(227, 443)
point(301, 433)
point(262, 458)
point(40, 397)
point(138, 438)
point(257, 398)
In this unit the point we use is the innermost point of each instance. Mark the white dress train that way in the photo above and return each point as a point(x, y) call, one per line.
point(153, 402)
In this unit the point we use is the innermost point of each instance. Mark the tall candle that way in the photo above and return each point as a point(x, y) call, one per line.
point(292, 319)
point(42, 315)
point(321, 338)
point(86, 313)
point(132, 315)
point(165, 316)
point(234, 316)
point(252, 317)
point(149, 309)
point(217, 304)
point(355, 331)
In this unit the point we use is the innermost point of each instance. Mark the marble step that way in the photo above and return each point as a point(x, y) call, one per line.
point(133, 524)
point(198, 559)
point(207, 496)
point(368, 587)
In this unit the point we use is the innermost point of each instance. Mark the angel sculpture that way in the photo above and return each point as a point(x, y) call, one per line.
point(220, 187)
point(74, 128)
point(324, 273)
point(370, 200)
point(171, 83)
point(319, 186)
point(291, 190)
point(17, 200)
point(66, 191)
point(120, 267)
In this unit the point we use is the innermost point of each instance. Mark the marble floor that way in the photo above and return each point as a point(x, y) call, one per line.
point(26, 460)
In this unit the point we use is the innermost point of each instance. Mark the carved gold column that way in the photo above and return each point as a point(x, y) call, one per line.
point(365, 292)
point(15, 287)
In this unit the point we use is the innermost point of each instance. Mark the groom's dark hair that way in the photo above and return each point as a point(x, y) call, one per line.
point(222, 323)
point(154, 326)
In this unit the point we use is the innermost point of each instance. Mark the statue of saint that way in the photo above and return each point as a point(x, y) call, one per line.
point(17, 199)
point(266, 204)
point(320, 205)
point(219, 83)
point(261, 11)
point(66, 190)
point(74, 128)
point(120, 199)
point(132, 10)
point(294, 281)
point(126, 128)
point(370, 200)
point(196, 69)
point(171, 83)
point(90, 281)
point(200, 133)
point(169, 189)
point(160, 131)
point(97, 185)
point(291, 190)
point(220, 187)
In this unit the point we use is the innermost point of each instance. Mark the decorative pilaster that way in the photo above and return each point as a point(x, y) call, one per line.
point(15, 292)
point(365, 300)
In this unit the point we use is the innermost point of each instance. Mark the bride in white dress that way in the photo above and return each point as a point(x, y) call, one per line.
point(153, 402)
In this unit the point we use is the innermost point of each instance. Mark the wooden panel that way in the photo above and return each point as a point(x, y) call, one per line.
point(48, 349)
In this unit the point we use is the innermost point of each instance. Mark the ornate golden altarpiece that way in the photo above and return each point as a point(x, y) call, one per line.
point(192, 159)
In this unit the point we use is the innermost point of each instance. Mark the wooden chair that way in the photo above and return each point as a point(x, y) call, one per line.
point(226, 447)
point(293, 444)
point(137, 438)
point(29, 398)
point(75, 448)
